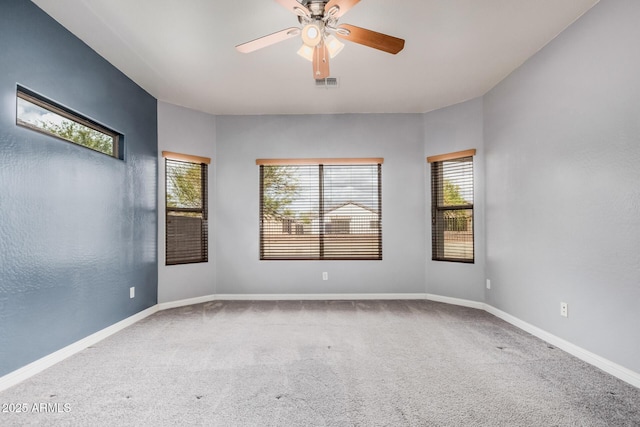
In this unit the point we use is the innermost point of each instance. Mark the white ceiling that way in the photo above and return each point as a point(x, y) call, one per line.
point(183, 52)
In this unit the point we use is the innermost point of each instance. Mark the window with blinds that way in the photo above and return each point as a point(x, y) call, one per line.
point(452, 207)
point(186, 209)
point(324, 209)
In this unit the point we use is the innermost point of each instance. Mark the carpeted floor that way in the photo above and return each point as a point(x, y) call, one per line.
point(323, 363)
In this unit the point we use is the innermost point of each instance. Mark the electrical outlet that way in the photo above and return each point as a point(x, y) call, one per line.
point(325, 275)
point(564, 309)
point(488, 284)
point(132, 292)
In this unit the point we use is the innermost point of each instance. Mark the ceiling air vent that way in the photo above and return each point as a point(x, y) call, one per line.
point(328, 83)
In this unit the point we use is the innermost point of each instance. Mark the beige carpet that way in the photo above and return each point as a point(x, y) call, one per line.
point(318, 363)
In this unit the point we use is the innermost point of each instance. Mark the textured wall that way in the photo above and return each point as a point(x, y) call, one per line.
point(78, 228)
point(451, 129)
point(242, 140)
point(562, 140)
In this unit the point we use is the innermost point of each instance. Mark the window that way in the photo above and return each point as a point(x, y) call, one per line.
point(186, 208)
point(452, 206)
point(321, 209)
point(36, 113)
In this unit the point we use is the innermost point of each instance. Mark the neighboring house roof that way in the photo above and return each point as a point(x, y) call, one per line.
point(351, 208)
point(344, 209)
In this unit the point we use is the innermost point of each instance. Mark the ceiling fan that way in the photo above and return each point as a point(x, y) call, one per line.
point(319, 20)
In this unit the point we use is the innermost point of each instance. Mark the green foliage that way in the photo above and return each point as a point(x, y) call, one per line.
point(280, 185)
point(455, 220)
point(184, 187)
point(452, 196)
point(306, 217)
point(81, 135)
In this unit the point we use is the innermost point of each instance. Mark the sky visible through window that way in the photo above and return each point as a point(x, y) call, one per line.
point(36, 115)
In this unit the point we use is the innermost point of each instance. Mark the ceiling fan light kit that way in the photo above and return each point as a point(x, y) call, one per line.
point(334, 45)
point(311, 35)
point(319, 20)
point(306, 52)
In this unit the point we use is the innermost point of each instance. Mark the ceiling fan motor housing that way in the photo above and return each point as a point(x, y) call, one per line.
point(315, 25)
point(316, 7)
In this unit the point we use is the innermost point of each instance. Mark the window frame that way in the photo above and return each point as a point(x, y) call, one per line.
point(66, 113)
point(322, 232)
point(438, 241)
point(203, 210)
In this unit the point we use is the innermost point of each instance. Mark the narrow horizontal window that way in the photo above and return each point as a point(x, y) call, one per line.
point(39, 114)
point(452, 207)
point(186, 211)
point(315, 211)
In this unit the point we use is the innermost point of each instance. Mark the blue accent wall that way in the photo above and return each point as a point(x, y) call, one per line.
point(77, 227)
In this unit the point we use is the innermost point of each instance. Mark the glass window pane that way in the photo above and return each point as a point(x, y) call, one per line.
point(320, 212)
point(39, 115)
point(452, 210)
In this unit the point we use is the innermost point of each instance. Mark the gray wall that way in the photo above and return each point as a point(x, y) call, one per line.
point(241, 140)
point(562, 140)
point(78, 227)
point(186, 131)
point(403, 140)
point(448, 130)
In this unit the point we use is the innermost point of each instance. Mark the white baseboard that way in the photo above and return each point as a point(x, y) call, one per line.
point(608, 366)
point(184, 302)
point(319, 297)
point(40, 365)
point(316, 297)
point(599, 362)
point(456, 301)
point(287, 297)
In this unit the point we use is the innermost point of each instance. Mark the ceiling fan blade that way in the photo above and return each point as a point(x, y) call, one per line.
point(370, 38)
point(268, 40)
point(343, 6)
point(294, 6)
point(320, 62)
